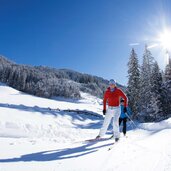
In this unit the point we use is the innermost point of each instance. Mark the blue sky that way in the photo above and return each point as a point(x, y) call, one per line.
point(89, 36)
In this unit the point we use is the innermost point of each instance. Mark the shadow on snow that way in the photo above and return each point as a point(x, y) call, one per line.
point(59, 154)
point(55, 112)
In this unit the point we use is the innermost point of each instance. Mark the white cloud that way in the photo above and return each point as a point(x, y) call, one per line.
point(134, 44)
point(153, 46)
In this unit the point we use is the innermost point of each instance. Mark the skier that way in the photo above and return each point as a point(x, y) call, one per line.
point(124, 116)
point(112, 97)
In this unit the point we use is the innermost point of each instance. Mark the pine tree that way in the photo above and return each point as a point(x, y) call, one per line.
point(167, 88)
point(168, 70)
point(156, 101)
point(145, 83)
point(133, 83)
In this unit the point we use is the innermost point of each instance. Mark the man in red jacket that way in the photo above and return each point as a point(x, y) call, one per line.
point(112, 98)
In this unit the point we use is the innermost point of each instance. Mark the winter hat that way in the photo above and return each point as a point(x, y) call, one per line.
point(112, 81)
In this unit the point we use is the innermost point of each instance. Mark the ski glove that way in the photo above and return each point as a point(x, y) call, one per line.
point(125, 110)
point(104, 112)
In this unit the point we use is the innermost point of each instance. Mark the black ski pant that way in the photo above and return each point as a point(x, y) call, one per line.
point(124, 120)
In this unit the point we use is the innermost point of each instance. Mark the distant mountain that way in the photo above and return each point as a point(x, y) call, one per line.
point(49, 82)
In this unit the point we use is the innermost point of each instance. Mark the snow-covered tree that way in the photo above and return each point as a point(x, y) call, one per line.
point(48, 82)
point(168, 70)
point(133, 83)
point(167, 88)
point(146, 82)
point(155, 110)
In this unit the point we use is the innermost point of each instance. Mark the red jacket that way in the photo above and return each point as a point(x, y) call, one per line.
point(113, 98)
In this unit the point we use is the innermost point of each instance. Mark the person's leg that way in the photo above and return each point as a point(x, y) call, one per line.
point(116, 122)
point(124, 126)
point(107, 120)
point(120, 121)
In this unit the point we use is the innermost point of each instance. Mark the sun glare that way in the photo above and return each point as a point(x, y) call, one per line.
point(165, 39)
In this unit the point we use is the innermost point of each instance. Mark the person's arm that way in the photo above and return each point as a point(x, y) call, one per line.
point(122, 94)
point(129, 112)
point(104, 100)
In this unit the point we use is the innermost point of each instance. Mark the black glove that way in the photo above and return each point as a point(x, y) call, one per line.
point(124, 109)
point(104, 112)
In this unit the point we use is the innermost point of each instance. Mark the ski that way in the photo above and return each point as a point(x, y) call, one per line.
point(93, 140)
point(97, 139)
point(116, 142)
point(111, 147)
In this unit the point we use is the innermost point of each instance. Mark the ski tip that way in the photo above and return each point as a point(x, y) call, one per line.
point(110, 148)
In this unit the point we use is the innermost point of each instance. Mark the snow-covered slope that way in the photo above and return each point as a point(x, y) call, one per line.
point(24, 115)
point(36, 135)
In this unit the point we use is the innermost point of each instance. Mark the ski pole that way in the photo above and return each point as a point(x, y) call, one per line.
point(131, 125)
point(131, 120)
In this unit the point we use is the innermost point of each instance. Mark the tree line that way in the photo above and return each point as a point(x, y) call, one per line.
point(149, 88)
point(49, 82)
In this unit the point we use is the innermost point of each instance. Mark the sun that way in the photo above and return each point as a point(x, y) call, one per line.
point(165, 39)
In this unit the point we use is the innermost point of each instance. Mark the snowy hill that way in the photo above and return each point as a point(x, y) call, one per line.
point(24, 115)
point(48, 135)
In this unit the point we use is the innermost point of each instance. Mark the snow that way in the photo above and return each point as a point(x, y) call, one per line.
point(35, 135)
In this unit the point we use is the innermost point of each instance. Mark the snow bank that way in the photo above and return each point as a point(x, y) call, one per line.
point(166, 124)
